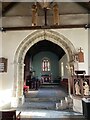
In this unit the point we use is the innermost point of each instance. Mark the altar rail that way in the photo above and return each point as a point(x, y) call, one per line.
point(81, 85)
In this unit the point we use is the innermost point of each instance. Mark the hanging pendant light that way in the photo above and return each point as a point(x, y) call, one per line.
point(34, 15)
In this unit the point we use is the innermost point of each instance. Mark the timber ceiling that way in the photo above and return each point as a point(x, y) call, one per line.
point(18, 16)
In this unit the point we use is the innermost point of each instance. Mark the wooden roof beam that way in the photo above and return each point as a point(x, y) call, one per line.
point(8, 7)
point(45, 27)
point(86, 5)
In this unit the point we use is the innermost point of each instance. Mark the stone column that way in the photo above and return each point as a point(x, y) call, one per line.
point(70, 73)
point(17, 97)
point(69, 78)
point(14, 101)
point(20, 83)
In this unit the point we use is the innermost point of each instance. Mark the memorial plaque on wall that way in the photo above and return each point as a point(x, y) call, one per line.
point(80, 55)
point(3, 64)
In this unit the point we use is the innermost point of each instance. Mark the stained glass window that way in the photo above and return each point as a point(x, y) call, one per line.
point(45, 65)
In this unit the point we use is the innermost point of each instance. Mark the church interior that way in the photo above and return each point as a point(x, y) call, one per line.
point(44, 60)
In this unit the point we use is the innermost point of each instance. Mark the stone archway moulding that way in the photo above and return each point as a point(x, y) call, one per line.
point(28, 42)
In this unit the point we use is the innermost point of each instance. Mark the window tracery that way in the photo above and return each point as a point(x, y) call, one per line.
point(45, 65)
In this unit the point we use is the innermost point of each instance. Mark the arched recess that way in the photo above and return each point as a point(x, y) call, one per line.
point(28, 42)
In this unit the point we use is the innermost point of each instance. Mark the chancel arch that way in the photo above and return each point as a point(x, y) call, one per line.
point(27, 43)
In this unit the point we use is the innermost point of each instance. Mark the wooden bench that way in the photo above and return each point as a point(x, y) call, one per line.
point(9, 115)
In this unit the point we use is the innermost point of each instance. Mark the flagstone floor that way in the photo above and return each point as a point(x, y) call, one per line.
point(41, 104)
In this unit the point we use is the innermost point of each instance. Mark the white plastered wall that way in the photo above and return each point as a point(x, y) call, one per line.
point(79, 38)
point(8, 45)
point(12, 39)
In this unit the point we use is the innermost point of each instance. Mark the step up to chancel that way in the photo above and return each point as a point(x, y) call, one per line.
point(64, 104)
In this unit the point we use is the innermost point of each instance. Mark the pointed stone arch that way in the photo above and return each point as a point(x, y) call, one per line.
point(26, 44)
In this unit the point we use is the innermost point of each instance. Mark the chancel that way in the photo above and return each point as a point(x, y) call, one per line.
point(44, 59)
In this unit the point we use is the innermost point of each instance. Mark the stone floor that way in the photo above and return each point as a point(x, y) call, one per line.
point(40, 105)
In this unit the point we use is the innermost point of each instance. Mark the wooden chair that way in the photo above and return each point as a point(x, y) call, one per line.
point(9, 115)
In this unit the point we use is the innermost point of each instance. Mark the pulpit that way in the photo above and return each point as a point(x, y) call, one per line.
point(81, 84)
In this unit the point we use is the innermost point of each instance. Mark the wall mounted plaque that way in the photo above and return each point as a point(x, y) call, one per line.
point(3, 64)
point(80, 55)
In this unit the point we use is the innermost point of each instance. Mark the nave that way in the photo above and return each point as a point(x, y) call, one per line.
point(41, 104)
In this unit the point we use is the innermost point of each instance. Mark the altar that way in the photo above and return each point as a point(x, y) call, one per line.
point(46, 78)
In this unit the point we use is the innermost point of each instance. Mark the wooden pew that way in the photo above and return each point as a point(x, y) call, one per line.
point(9, 115)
